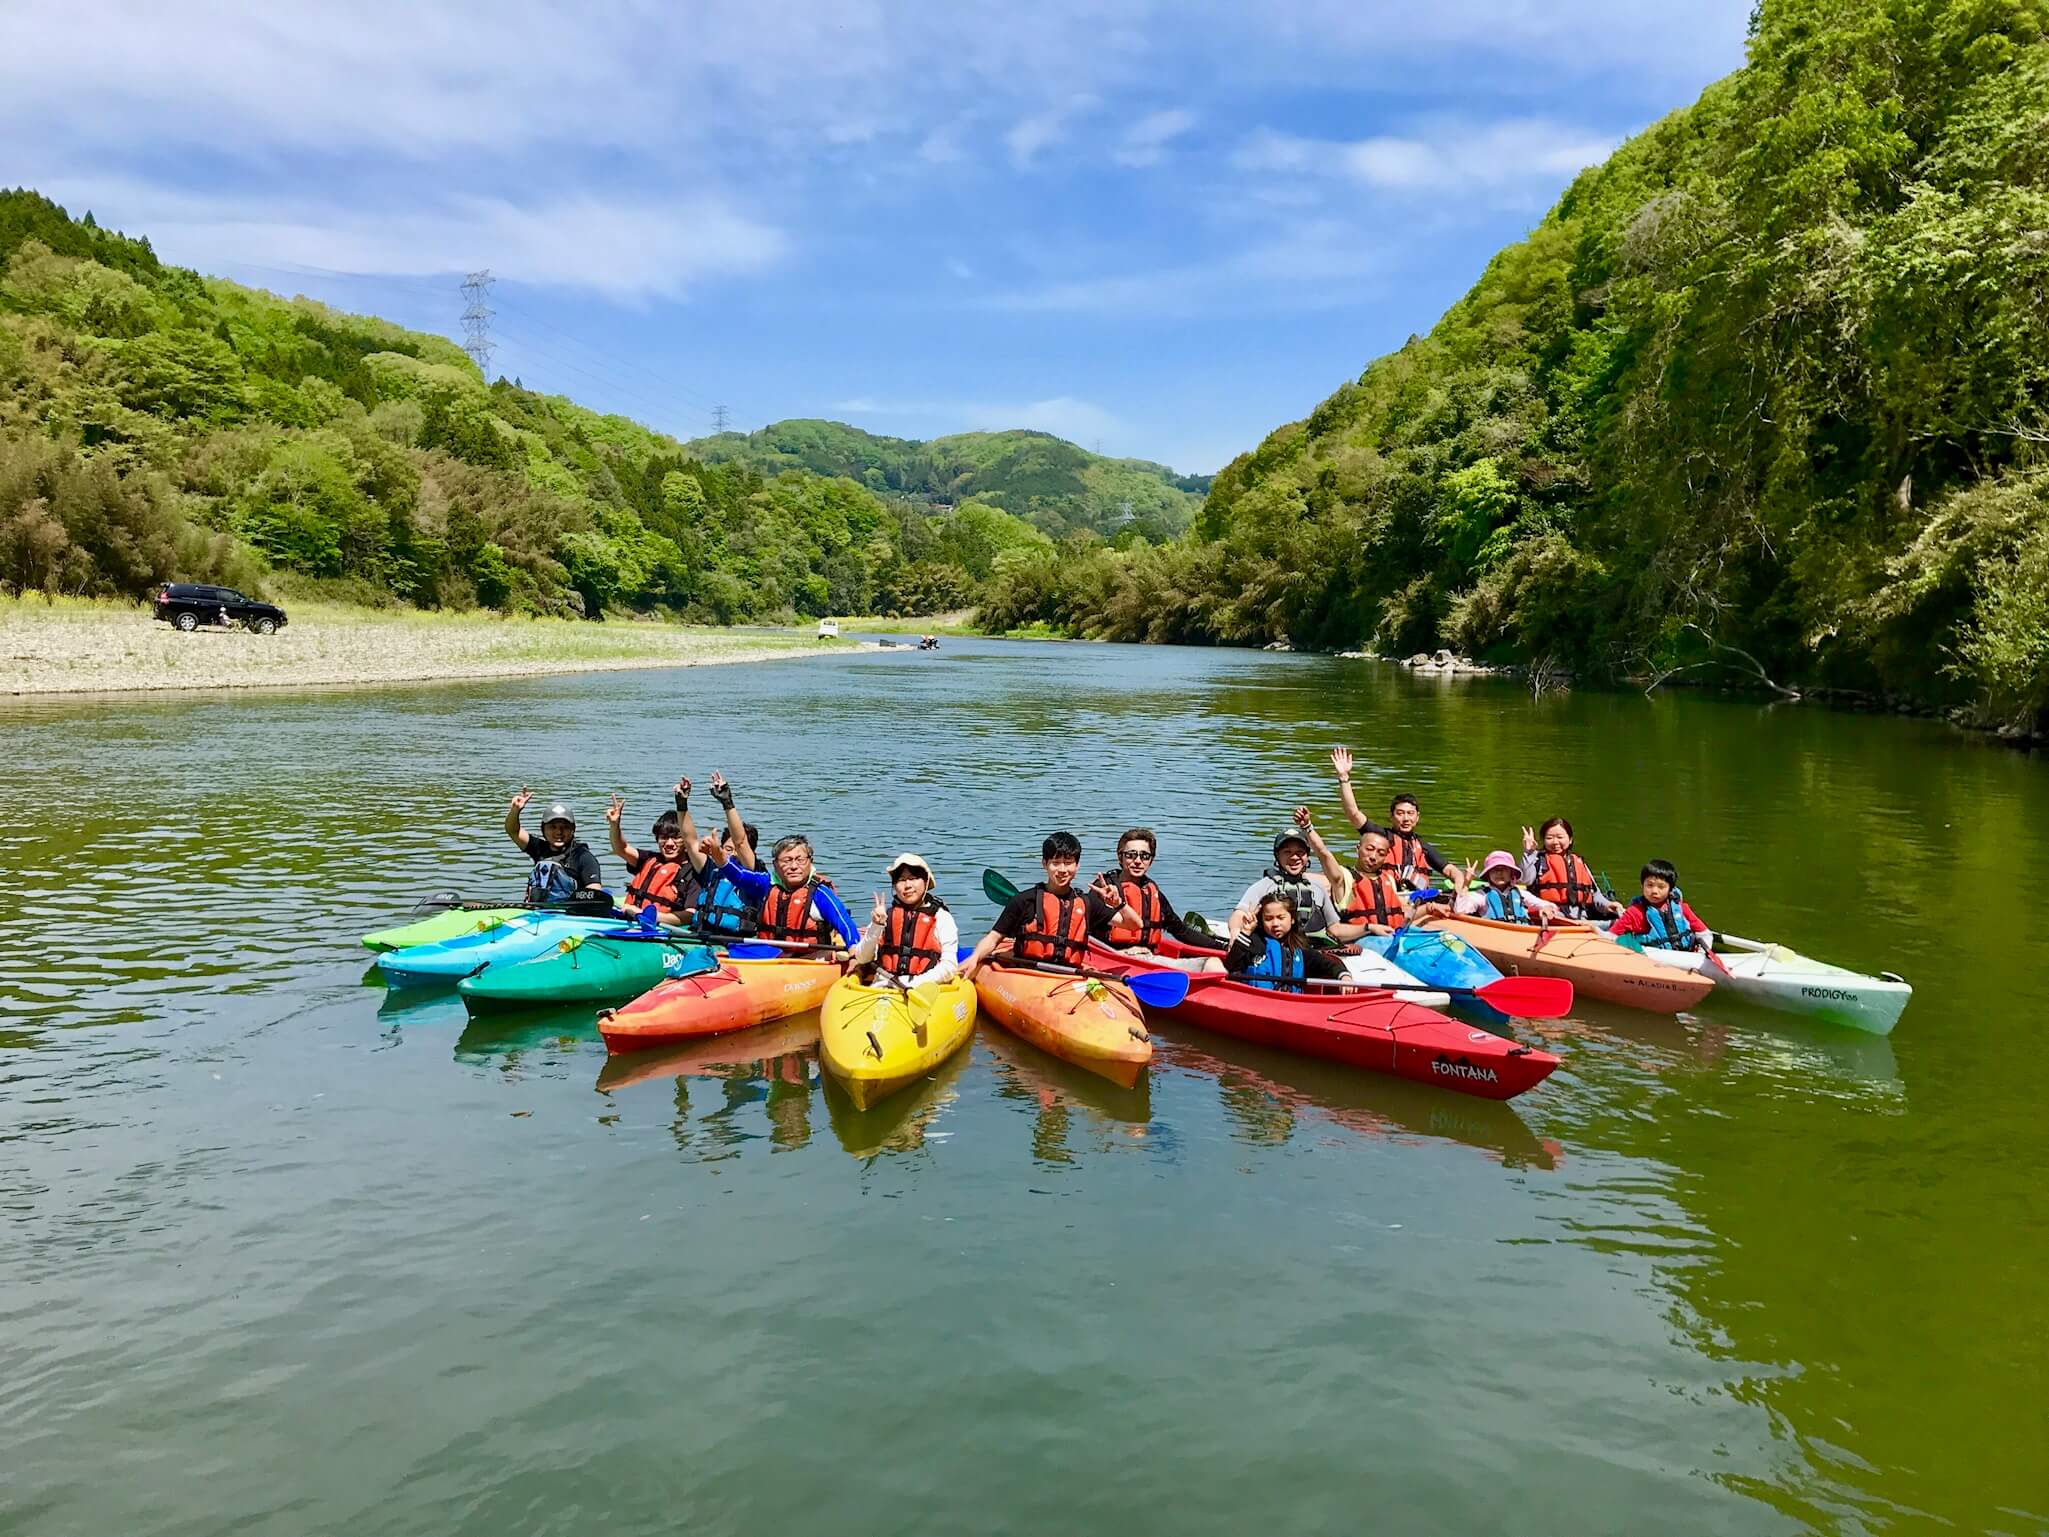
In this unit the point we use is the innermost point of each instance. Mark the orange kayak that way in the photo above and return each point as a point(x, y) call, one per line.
point(1595, 965)
point(737, 995)
point(1093, 1024)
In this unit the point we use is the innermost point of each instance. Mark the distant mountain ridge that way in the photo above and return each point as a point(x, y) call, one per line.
point(1056, 486)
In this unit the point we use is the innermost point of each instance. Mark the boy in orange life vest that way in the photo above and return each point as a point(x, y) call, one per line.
point(1156, 916)
point(1413, 859)
point(660, 877)
point(911, 940)
point(1055, 919)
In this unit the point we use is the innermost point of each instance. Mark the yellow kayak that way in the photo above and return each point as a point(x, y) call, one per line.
point(875, 1040)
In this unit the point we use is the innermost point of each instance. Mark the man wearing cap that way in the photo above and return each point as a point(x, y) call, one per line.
point(1289, 876)
point(912, 939)
point(563, 863)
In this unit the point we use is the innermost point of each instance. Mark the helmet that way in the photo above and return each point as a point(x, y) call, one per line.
point(559, 813)
point(1290, 835)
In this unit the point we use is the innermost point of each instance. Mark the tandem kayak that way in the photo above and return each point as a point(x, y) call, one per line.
point(876, 1040)
point(1369, 967)
point(1091, 1023)
point(452, 924)
point(1595, 965)
point(600, 967)
point(737, 995)
point(448, 961)
point(1380, 1032)
point(1777, 977)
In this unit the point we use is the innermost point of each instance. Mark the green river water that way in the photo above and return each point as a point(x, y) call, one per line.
point(279, 1255)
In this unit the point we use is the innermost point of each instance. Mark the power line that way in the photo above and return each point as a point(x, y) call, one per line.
point(718, 419)
point(476, 320)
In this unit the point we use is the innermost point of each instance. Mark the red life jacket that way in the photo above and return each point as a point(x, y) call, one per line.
point(910, 938)
point(1059, 930)
point(1406, 858)
point(1378, 900)
point(786, 914)
point(658, 881)
point(1144, 898)
point(1566, 880)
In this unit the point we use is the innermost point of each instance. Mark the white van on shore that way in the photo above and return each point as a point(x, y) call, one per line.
point(828, 629)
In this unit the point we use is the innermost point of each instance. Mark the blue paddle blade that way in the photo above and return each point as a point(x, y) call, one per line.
point(650, 921)
point(1427, 894)
point(960, 955)
point(1158, 989)
point(755, 952)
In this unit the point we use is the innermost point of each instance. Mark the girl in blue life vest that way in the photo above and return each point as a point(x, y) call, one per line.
point(1499, 896)
point(1267, 949)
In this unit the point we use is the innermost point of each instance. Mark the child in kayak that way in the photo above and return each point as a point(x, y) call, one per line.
point(1156, 916)
point(1288, 876)
point(797, 905)
point(1558, 875)
point(1498, 895)
point(1268, 949)
point(1055, 919)
point(564, 866)
point(723, 911)
point(911, 940)
point(1660, 918)
point(1412, 858)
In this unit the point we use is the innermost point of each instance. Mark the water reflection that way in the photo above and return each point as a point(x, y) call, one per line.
point(904, 1122)
point(773, 1066)
point(1058, 1092)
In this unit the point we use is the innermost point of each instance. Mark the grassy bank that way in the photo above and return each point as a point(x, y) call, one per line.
point(84, 646)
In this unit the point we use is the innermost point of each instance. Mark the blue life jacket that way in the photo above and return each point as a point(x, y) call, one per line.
point(1669, 929)
point(1280, 968)
point(550, 884)
point(723, 911)
point(1511, 910)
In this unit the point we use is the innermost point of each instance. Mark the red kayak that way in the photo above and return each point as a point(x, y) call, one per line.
point(1378, 1031)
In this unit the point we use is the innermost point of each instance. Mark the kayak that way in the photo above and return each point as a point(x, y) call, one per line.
point(452, 924)
point(1777, 977)
point(1595, 965)
point(901, 1122)
point(583, 968)
point(1380, 1032)
point(738, 994)
point(1093, 1024)
point(875, 1040)
point(1437, 960)
point(703, 1057)
point(447, 961)
point(1369, 968)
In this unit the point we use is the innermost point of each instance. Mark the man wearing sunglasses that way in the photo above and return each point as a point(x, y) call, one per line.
point(1155, 914)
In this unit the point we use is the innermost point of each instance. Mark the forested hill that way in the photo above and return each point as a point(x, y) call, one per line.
point(158, 425)
point(1050, 483)
point(1773, 378)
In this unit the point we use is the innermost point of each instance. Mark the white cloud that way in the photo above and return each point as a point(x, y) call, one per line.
point(1456, 156)
point(1146, 141)
point(1029, 135)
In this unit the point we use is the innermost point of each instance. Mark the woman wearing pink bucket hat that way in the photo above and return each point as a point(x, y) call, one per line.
point(1500, 894)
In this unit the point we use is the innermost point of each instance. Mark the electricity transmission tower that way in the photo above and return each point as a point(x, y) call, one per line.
point(718, 419)
point(476, 320)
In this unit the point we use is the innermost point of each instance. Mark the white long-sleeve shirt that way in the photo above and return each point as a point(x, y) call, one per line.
point(945, 934)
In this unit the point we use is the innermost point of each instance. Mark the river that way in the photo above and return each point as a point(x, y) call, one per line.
point(280, 1255)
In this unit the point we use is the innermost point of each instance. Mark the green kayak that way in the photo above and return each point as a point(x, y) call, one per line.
point(584, 968)
point(453, 924)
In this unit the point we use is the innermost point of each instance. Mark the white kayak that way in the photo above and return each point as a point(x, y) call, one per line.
point(1775, 977)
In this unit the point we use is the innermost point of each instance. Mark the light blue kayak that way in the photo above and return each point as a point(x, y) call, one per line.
point(1437, 960)
point(447, 961)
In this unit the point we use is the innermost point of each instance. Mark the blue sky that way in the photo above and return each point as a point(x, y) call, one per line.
point(1161, 230)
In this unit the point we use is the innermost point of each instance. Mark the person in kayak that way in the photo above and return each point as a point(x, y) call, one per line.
point(564, 866)
point(1054, 920)
point(911, 940)
point(1268, 949)
point(1660, 918)
point(1558, 875)
point(1368, 898)
point(1498, 895)
point(1289, 876)
point(1412, 858)
point(797, 905)
point(1132, 878)
point(723, 911)
point(660, 877)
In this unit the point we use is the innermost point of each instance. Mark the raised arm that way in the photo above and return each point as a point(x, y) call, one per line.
point(1341, 760)
point(513, 830)
point(687, 827)
point(1333, 869)
point(737, 846)
point(626, 853)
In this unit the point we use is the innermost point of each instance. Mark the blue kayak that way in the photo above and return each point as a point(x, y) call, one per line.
point(447, 961)
point(1438, 960)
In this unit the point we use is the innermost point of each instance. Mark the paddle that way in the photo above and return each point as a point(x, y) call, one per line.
point(777, 949)
point(1523, 997)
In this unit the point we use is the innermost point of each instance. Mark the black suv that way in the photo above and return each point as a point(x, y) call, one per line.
point(189, 605)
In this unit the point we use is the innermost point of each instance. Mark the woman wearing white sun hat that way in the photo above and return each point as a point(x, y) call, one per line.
point(911, 939)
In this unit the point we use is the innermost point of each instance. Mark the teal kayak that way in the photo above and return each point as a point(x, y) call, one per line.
point(590, 967)
point(447, 961)
point(452, 924)
point(1437, 960)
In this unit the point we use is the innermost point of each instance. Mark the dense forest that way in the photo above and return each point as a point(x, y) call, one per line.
point(1767, 392)
point(158, 425)
point(1048, 482)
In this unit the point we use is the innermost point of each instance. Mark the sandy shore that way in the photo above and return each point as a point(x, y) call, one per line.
point(93, 649)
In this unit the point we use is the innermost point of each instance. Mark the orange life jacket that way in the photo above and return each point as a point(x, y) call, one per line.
point(1059, 930)
point(1406, 858)
point(1378, 900)
point(1566, 880)
point(657, 881)
point(786, 914)
point(910, 938)
point(1144, 898)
